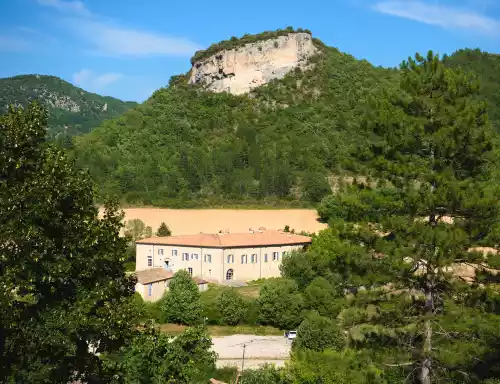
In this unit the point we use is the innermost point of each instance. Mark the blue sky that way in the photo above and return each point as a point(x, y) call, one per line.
point(129, 48)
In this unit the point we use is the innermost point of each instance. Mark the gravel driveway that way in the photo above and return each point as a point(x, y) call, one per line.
point(259, 350)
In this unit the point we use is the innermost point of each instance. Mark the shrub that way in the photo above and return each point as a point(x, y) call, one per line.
point(231, 306)
point(320, 295)
point(268, 374)
point(318, 333)
point(280, 303)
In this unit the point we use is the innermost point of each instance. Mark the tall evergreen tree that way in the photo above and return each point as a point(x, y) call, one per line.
point(163, 230)
point(432, 146)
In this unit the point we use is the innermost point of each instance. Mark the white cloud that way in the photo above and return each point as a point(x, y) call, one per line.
point(73, 6)
point(443, 16)
point(108, 38)
point(92, 81)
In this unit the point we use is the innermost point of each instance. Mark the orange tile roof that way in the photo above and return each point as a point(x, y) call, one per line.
point(153, 275)
point(230, 240)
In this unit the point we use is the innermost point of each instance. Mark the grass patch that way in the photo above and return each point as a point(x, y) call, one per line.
point(223, 330)
point(259, 330)
point(251, 291)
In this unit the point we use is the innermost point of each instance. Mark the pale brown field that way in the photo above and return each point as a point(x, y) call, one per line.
point(191, 221)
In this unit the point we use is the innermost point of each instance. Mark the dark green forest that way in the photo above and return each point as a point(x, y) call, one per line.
point(282, 144)
point(72, 111)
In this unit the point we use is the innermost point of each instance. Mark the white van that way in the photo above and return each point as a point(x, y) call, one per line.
point(290, 335)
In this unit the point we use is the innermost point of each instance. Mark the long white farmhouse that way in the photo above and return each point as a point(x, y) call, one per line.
point(222, 256)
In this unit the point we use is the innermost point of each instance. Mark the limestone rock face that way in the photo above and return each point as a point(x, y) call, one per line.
point(239, 70)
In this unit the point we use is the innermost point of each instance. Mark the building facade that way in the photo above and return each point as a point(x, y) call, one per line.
point(222, 256)
point(153, 282)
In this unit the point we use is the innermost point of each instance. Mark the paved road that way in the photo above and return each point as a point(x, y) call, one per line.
point(259, 350)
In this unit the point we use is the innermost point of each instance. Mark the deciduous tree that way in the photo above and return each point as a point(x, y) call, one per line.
point(136, 229)
point(64, 288)
point(182, 304)
point(154, 357)
point(231, 306)
point(280, 303)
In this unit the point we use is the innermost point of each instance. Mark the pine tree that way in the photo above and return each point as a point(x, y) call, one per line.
point(163, 230)
point(432, 144)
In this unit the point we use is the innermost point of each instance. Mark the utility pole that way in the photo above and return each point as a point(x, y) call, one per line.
point(243, 362)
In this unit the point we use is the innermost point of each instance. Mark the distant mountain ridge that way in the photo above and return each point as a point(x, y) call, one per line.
point(72, 111)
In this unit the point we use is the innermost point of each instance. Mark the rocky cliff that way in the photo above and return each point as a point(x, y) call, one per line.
point(239, 70)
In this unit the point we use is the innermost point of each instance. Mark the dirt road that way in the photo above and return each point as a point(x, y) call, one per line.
point(259, 350)
point(191, 221)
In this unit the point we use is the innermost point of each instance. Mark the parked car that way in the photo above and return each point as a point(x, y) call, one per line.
point(290, 335)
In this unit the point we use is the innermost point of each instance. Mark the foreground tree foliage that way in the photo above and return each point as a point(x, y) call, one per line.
point(181, 304)
point(434, 144)
point(61, 267)
point(403, 247)
point(154, 357)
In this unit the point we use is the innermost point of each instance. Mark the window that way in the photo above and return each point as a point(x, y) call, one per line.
point(185, 256)
point(194, 256)
point(244, 259)
point(229, 274)
point(174, 252)
point(150, 289)
point(230, 259)
point(150, 261)
point(254, 258)
point(190, 271)
point(208, 258)
point(160, 251)
point(276, 256)
point(265, 258)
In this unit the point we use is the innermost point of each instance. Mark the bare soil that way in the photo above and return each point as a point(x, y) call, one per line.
point(192, 221)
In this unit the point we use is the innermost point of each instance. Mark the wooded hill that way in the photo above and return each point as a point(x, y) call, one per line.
point(185, 146)
point(72, 110)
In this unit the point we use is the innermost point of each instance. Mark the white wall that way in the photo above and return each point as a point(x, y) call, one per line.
point(218, 267)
